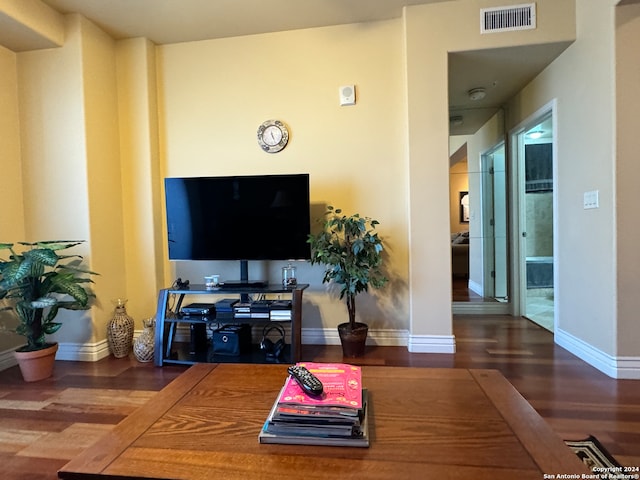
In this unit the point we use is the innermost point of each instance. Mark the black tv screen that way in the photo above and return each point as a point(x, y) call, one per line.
point(259, 217)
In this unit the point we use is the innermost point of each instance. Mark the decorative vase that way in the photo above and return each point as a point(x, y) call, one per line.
point(143, 346)
point(353, 340)
point(38, 364)
point(120, 331)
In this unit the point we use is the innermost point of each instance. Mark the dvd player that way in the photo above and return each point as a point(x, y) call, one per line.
point(198, 309)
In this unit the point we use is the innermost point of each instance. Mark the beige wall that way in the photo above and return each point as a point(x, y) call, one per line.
point(70, 150)
point(214, 94)
point(585, 306)
point(627, 174)
point(140, 176)
point(12, 211)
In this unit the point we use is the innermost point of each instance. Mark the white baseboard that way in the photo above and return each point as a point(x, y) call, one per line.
point(7, 359)
point(83, 352)
point(329, 336)
point(475, 287)
point(432, 344)
point(481, 308)
point(614, 367)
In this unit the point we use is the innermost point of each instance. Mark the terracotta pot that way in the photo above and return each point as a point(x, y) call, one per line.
point(353, 341)
point(37, 365)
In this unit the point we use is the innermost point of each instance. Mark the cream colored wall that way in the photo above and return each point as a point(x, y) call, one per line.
point(12, 213)
point(582, 80)
point(71, 180)
point(429, 38)
point(106, 228)
point(53, 151)
point(140, 176)
point(38, 25)
point(627, 175)
point(214, 94)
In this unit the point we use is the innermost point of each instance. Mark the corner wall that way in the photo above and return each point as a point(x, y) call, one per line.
point(71, 177)
point(11, 195)
point(627, 73)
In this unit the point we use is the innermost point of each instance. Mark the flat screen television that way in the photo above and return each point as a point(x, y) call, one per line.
point(254, 217)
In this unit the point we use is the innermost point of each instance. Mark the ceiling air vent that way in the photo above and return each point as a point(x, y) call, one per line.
point(505, 19)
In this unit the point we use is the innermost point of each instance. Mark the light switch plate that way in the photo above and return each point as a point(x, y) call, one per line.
point(591, 199)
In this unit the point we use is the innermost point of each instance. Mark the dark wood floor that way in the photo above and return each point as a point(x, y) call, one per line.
point(461, 292)
point(44, 424)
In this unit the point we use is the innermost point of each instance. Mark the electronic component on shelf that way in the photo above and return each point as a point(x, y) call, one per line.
point(198, 309)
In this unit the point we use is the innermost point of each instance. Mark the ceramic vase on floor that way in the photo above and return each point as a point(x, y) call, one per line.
point(143, 346)
point(120, 331)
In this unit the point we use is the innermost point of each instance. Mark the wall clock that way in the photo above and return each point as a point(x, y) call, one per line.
point(273, 136)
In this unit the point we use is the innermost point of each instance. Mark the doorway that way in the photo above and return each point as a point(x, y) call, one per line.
point(535, 158)
point(494, 223)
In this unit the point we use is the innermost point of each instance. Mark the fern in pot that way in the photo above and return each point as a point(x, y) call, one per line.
point(36, 281)
point(351, 251)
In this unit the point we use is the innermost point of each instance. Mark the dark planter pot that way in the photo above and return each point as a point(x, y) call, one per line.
point(37, 365)
point(353, 340)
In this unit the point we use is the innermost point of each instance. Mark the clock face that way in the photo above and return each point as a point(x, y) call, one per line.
point(273, 136)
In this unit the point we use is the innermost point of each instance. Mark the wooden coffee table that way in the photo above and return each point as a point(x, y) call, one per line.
point(424, 423)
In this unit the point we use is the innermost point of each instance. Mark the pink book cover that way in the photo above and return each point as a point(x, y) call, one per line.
point(342, 385)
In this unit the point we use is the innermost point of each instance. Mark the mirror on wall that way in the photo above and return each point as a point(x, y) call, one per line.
point(478, 223)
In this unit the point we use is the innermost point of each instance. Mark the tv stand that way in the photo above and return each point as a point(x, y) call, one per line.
point(235, 284)
point(168, 317)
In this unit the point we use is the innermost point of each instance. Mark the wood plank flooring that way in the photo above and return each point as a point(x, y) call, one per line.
point(44, 424)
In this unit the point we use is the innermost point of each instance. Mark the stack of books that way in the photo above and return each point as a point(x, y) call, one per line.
point(337, 418)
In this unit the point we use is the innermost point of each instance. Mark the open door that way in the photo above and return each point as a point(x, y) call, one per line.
point(536, 162)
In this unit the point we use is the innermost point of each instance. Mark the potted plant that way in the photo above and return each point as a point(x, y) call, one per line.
point(36, 285)
point(351, 251)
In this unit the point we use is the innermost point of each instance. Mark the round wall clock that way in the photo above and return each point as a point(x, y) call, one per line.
point(273, 136)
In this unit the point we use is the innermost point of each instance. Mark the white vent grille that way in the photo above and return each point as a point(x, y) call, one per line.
point(505, 19)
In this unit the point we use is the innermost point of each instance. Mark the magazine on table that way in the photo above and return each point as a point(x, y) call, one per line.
point(342, 385)
point(337, 417)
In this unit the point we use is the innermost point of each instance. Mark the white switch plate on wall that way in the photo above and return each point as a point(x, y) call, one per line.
point(591, 199)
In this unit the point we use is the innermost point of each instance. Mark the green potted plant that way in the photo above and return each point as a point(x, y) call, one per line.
point(351, 251)
point(36, 282)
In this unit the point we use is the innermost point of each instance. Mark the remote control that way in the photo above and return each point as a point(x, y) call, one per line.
point(309, 383)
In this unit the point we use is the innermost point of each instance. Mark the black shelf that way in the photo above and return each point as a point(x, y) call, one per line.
point(167, 320)
point(180, 355)
point(212, 319)
point(200, 289)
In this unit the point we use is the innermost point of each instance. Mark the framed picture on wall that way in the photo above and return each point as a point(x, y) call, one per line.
point(464, 207)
